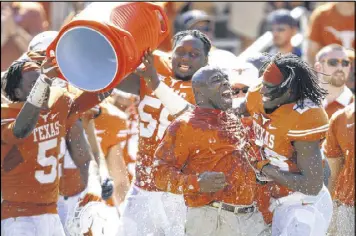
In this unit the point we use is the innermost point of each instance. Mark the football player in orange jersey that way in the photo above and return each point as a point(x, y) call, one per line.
point(32, 128)
point(147, 210)
point(289, 123)
point(339, 148)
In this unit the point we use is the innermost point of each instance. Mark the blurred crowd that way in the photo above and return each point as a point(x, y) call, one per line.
point(321, 33)
point(302, 28)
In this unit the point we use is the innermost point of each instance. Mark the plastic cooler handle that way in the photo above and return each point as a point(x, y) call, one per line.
point(165, 32)
point(52, 47)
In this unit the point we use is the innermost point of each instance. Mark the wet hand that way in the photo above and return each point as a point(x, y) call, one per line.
point(148, 72)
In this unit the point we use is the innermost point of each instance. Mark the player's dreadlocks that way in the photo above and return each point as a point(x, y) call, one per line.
point(195, 33)
point(12, 79)
point(299, 77)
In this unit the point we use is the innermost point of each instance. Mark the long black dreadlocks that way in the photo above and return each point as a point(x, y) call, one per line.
point(195, 33)
point(299, 77)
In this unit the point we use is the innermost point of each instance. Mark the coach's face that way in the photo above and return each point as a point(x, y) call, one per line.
point(188, 57)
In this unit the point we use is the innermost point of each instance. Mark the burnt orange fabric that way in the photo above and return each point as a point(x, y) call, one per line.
point(154, 119)
point(335, 106)
point(32, 18)
point(129, 157)
point(340, 143)
point(181, 161)
point(29, 167)
point(327, 26)
point(111, 126)
point(275, 132)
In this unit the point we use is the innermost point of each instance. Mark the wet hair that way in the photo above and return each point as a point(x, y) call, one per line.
point(297, 76)
point(196, 34)
point(12, 79)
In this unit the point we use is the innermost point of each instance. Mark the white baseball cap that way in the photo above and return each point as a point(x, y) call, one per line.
point(42, 40)
point(244, 73)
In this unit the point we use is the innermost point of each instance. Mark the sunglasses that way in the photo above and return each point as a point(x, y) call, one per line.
point(236, 91)
point(333, 62)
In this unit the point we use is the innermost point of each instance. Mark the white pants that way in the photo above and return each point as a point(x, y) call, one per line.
point(209, 221)
point(152, 213)
point(41, 225)
point(66, 207)
point(301, 217)
point(343, 221)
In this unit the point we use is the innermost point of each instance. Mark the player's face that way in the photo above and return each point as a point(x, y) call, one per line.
point(336, 65)
point(28, 81)
point(219, 90)
point(188, 57)
point(282, 34)
point(268, 100)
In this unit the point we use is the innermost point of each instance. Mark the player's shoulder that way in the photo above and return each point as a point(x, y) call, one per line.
point(308, 120)
point(253, 95)
point(323, 10)
point(343, 114)
point(112, 110)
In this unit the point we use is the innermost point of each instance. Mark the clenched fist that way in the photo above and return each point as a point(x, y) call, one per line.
point(210, 182)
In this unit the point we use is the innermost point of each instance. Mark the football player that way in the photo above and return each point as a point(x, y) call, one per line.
point(32, 129)
point(289, 123)
point(146, 208)
point(339, 148)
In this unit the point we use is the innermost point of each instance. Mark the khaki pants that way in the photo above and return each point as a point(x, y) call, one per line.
point(342, 221)
point(209, 221)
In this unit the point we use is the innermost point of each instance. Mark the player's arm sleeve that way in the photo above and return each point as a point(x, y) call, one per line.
point(170, 157)
point(83, 103)
point(16, 130)
point(331, 147)
point(311, 126)
point(175, 104)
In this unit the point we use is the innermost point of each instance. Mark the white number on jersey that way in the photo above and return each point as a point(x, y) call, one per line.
point(44, 161)
point(148, 130)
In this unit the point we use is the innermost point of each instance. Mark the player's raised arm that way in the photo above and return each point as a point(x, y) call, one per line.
point(161, 90)
point(17, 82)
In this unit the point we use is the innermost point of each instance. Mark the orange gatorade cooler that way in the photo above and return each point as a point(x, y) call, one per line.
point(106, 41)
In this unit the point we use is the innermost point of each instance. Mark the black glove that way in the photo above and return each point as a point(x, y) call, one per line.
point(107, 188)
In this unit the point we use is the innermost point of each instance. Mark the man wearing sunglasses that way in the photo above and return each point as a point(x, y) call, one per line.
point(283, 27)
point(334, 66)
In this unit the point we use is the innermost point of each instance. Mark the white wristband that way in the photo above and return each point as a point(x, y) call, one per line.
point(38, 92)
point(171, 100)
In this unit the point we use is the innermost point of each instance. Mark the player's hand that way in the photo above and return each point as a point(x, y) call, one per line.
point(89, 197)
point(149, 72)
point(210, 182)
point(107, 188)
point(49, 66)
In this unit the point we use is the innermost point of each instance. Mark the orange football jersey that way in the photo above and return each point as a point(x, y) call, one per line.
point(111, 126)
point(345, 98)
point(29, 166)
point(275, 132)
point(181, 158)
point(328, 26)
point(340, 143)
point(154, 120)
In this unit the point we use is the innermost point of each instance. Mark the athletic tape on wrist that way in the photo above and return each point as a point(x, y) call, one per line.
point(38, 93)
point(172, 101)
